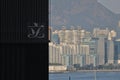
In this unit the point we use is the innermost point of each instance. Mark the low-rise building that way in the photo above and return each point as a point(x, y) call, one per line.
point(57, 68)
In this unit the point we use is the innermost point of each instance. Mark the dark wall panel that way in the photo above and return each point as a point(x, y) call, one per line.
point(23, 57)
point(17, 15)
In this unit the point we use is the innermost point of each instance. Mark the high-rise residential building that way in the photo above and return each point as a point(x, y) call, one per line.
point(75, 36)
point(50, 52)
point(55, 37)
point(55, 53)
point(82, 60)
point(93, 60)
point(110, 47)
point(57, 56)
point(61, 34)
point(97, 32)
point(119, 23)
point(93, 57)
point(101, 50)
point(110, 51)
point(49, 33)
point(69, 47)
point(118, 30)
point(105, 49)
point(111, 35)
point(85, 52)
point(68, 36)
point(117, 51)
point(66, 53)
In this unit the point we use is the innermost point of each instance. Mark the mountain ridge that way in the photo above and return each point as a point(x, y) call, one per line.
point(85, 13)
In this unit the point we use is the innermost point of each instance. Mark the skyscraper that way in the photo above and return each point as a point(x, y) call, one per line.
point(101, 50)
point(117, 52)
point(110, 52)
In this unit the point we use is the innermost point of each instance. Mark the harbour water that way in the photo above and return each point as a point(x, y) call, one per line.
point(85, 76)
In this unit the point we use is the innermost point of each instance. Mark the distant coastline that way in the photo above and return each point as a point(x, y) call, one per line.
point(115, 70)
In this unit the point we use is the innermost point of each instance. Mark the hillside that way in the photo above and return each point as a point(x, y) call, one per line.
point(85, 13)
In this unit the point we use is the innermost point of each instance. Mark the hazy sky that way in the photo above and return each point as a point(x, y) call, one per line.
point(113, 5)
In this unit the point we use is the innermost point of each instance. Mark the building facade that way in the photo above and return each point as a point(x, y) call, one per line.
point(70, 47)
